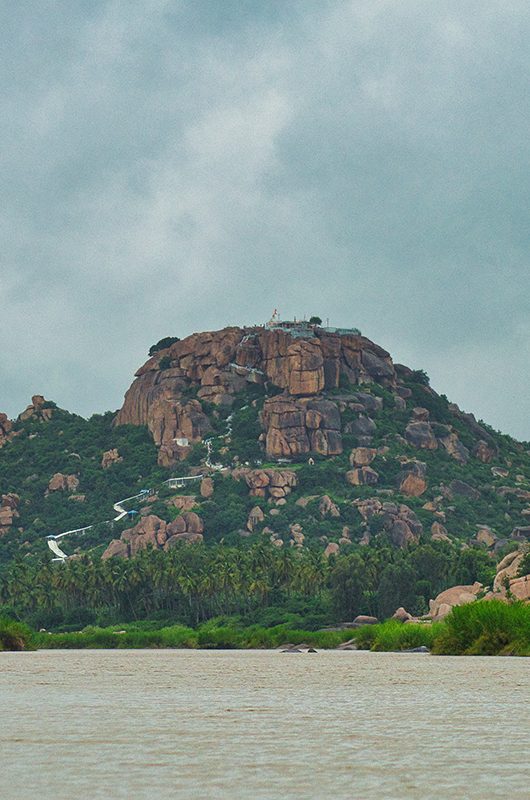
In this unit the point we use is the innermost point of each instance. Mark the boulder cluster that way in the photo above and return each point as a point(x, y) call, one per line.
point(151, 531)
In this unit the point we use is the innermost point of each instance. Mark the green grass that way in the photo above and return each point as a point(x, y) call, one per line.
point(15, 635)
point(394, 636)
point(485, 629)
point(481, 628)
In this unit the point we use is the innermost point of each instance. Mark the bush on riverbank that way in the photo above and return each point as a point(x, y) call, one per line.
point(480, 628)
point(393, 636)
point(485, 629)
point(211, 636)
point(15, 635)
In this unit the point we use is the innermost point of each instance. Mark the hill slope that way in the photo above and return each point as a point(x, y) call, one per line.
point(298, 436)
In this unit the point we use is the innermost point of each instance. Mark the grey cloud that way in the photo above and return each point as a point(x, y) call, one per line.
point(175, 166)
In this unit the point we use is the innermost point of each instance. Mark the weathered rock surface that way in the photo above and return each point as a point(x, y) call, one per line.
point(412, 479)
point(63, 483)
point(439, 533)
point(39, 409)
point(327, 507)
point(221, 363)
point(331, 549)
point(207, 488)
point(295, 427)
point(255, 518)
point(110, 457)
point(362, 476)
point(399, 521)
point(151, 531)
point(362, 456)
point(420, 435)
point(455, 596)
point(267, 483)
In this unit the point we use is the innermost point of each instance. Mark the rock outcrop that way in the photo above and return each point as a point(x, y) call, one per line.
point(8, 512)
point(151, 531)
point(268, 483)
point(412, 479)
point(39, 409)
point(62, 483)
point(443, 603)
point(303, 361)
point(295, 427)
point(399, 521)
point(110, 457)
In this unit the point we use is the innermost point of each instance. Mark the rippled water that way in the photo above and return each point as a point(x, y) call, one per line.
point(247, 724)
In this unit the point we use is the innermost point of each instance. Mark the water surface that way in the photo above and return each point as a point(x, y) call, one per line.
point(262, 724)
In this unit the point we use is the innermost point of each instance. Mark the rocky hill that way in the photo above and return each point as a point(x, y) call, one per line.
point(293, 434)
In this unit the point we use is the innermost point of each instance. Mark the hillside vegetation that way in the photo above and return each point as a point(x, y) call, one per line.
point(329, 482)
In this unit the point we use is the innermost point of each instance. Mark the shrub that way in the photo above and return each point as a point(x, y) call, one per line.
point(486, 628)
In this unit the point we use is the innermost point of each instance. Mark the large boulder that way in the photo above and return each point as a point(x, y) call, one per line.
point(420, 435)
point(443, 603)
point(362, 456)
point(412, 480)
point(362, 476)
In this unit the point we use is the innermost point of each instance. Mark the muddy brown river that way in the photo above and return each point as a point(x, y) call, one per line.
point(262, 724)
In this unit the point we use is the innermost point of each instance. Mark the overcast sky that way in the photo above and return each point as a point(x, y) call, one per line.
point(168, 166)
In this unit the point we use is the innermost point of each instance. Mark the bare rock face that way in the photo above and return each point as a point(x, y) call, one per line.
point(443, 603)
point(507, 569)
point(295, 427)
point(63, 483)
point(412, 478)
point(39, 409)
point(302, 362)
point(8, 512)
point(362, 476)
point(362, 456)
point(267, 483)
point(401, 615)
point(110, 457)
point(464, 489)
point(151, 531)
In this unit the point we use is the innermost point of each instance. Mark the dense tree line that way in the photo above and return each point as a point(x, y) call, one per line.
point(191, 584)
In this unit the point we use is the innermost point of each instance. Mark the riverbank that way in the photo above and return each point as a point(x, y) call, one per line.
point(480, 628)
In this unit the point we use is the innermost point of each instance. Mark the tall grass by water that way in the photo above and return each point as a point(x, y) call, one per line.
point(15, 635)
point(480, 628)
point(485, 629)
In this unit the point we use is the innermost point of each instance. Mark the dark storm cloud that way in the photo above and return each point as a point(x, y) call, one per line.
point(177, 166)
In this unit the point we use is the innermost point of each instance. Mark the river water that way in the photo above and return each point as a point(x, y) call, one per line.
point(262, 724)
